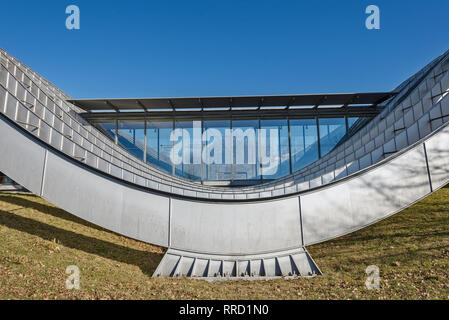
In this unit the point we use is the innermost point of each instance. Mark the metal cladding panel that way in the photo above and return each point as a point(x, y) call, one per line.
point(437, 148)
point(240, 228)
point(345, 207)
point(109, 204)
point(146, 215)
point(20, 159)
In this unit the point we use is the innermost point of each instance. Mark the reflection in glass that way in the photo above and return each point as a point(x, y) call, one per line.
point(275, 153)
point(211, 150)
point(189, 151)
point(245, 149)
point(108, 127)
point(131, 135)
point(5, 180)
point(216, 166)
point(304, 142)
point(332, 130)
point(159, 146)
point(351, 122)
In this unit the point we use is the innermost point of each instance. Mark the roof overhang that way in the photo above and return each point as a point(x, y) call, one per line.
point(287, 102)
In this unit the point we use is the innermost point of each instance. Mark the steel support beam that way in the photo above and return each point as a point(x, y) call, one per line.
point(357, 112)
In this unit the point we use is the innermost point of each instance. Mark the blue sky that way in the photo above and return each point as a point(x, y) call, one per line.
point(217, 48)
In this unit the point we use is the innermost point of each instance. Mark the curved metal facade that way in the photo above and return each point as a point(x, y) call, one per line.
point(396, 159)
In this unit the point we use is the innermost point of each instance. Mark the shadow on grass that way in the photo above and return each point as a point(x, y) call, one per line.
point(41, 207)
point(366, 237)
point(146, 261)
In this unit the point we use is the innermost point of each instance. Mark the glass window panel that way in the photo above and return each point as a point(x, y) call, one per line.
point(304, 142)
point(5, 180)
point(131, 135)
point(245, 149)
point(351, 122)
point(190, 143)
point(332, 130)
point(159, 145)
point(108, 127)
point(216, 165)
point(274, 149)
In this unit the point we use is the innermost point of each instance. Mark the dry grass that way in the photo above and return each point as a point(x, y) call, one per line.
point(38, 241)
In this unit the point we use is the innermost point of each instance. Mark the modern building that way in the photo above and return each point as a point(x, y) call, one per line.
point(232, 186)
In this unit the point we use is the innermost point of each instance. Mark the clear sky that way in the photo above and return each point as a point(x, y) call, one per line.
point(175, 48)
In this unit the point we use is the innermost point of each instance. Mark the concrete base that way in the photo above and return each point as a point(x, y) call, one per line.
point(291, 263)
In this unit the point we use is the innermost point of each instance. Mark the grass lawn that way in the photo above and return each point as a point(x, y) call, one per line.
point(38, 241)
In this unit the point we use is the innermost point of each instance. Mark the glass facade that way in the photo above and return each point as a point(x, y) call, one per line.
point(131, 136)
point(304, 142)
point(187, 151)
point(159, 148)
point(108, 127)
point(246, 153)
point(216, 140)
point(5, 180)
point(274, 148)
point(229, 150)
point(332, 130)
point(351, 121)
